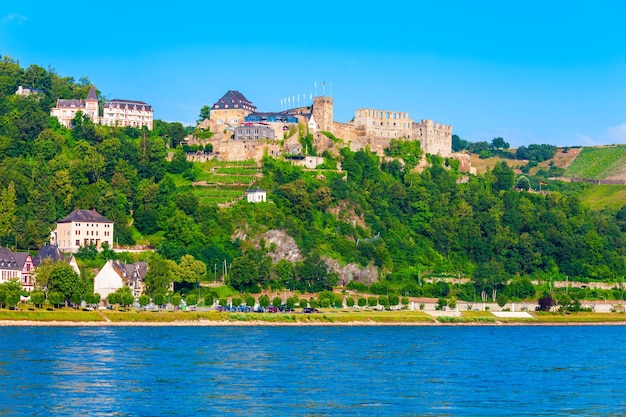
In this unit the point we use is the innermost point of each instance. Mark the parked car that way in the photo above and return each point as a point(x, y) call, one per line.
point(285, 308)
point(243, 309)
point(310, 310)
point(259, 310)
point(272, 309)
point(222, 308)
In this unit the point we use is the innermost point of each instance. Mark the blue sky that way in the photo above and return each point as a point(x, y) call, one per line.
point(531, 72)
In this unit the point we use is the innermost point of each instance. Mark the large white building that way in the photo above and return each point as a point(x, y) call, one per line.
point(116, 112)
point(82, 228)
point(127, 113)
point(66, 109)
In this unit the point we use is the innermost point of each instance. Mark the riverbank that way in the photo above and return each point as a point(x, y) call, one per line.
point(324, 318)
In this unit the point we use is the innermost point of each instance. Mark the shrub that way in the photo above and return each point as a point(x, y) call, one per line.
point(350, 302)
point(362, 302)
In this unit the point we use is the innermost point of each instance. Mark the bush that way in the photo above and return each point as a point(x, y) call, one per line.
point(362, 302)
point(350, 302)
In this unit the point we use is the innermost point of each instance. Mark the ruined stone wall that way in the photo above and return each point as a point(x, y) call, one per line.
point(435, 138)
point(232, 150)
point(383, 123)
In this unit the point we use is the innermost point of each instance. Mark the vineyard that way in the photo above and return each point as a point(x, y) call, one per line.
point(220, 182)
point(598, 163)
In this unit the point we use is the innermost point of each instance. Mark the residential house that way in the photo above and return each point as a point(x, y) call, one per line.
point(256, 195)
point(27, 91)
point(82, 228)
point(54, 253)
point(66, 109)
point(115, 274)
point(17, 265)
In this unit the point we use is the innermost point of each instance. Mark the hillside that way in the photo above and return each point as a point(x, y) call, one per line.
point(383, 225)
point(599, 163)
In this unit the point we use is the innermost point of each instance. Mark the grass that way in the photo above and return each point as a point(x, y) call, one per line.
point(344, 316)
point(598, 197)
point(580, 317)
point(54, 315)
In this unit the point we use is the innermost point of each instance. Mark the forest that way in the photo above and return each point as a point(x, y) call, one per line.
point(434, 223)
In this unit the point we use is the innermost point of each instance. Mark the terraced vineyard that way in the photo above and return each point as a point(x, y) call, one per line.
point(219, 182)
point(599, 163)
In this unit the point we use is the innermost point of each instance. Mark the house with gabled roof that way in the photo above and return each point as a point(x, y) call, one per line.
point(53, 253)
point(66, 109)
point(18, 266)
point(82, 228)
point(115, 274)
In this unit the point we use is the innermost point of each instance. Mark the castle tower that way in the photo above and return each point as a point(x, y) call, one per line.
point(323, 112)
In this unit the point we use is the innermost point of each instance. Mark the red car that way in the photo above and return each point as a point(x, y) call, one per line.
point(272, 309)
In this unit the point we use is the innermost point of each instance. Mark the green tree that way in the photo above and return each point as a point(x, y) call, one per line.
point(349, 301)
point(499, 143)
point(144, 300)
point(175, 300)
point(190, 270)
point(372, 301)
point(56, 298)
point(37, 298)
point(191, 299)
point(65, 280)
point(205, 113)
point(362, 301)
point(264, 301)
point(7, 210)
point(114, 298)
point(277, 301)
point(159, 299)
point(523, 183)
point(159, 274)
point(249, 300)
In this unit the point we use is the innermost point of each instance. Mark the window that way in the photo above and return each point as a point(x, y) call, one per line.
point(77, 242)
